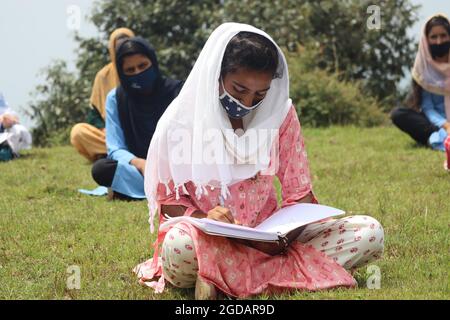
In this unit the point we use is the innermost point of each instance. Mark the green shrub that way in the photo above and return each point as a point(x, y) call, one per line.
point(60, 137)
point(321, 99)
point(59, 103)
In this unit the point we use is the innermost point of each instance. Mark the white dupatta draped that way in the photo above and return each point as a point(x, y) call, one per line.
point(194, 140)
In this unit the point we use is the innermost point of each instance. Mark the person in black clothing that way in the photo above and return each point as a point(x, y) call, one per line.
point(132, 113)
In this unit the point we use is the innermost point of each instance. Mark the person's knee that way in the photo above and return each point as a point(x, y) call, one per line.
point(397, 115)
point(182, 238)
point(372, 231)
point(401, 117)
point(179, 262)
point(77, 133)
point(103, 171)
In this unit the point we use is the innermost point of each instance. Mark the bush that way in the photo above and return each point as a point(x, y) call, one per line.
point(321, 99)
point(58, 104)
point(60, 137)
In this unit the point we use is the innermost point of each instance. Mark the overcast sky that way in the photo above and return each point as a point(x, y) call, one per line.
point(35, 32)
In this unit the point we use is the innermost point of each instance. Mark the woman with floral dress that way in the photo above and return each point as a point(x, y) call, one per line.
point(215, 154)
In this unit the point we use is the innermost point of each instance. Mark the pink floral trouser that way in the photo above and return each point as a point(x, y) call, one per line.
point(352, 242)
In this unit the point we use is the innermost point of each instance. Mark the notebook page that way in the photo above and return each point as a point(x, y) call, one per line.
point(292, 217)
point(223, 229)
point(237, 231)
point(281, 222)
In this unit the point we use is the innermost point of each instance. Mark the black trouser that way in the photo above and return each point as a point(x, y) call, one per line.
point(414, 123)
point(103, 172)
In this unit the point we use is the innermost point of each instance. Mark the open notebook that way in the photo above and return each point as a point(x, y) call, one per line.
point(272, 229)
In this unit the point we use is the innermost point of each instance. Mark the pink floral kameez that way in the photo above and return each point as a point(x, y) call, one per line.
point(242, 271)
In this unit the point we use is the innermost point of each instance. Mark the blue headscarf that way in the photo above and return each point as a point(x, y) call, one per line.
point(141, 108)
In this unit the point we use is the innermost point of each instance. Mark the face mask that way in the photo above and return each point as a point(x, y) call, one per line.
point(144, 81)
point(233, 107)
point(440, 50)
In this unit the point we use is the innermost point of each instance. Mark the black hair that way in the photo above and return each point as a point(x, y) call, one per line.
point(135, 45)
point(131, 46)
point(252, 51)
point(437, 21)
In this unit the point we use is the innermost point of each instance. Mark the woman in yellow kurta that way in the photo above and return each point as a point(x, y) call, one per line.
point(89, 138)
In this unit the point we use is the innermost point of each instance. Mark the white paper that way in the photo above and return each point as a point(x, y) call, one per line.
point(280, 223)
point(292, 217)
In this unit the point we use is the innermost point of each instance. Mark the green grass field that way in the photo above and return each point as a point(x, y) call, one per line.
point(46, 226)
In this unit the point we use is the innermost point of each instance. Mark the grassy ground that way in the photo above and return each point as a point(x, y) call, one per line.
point(46, 226)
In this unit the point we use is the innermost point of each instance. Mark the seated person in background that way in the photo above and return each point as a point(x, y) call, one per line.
point(89, 138)
point(428, 119)
point(132, 112)
point(14, 137)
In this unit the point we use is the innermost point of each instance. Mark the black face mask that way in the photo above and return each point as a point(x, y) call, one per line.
point(439, 50)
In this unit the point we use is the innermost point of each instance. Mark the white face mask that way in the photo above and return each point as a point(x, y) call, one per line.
point(234, 107)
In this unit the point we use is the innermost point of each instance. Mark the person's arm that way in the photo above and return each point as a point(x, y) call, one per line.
point(174, 206)
point(183, 205)
point(217, 213)
point(115, 138)
point(224, 215)
point(277, 248)
point(430, 111)
point(179, 210)
point(273, 248)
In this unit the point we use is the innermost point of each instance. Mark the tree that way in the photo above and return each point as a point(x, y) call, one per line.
point(336, 30)
point(287, 21)
point(177, 29)
point(379, 57)
point(57, 102)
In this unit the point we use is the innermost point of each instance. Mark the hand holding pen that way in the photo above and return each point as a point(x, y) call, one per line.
point(222, 213)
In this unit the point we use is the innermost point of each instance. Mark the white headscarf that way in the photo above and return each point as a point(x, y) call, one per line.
point(430, 74)
point(197, 110)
